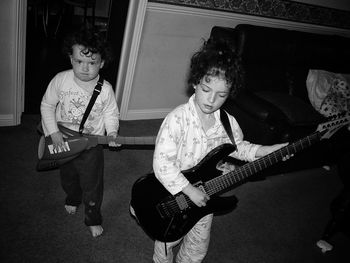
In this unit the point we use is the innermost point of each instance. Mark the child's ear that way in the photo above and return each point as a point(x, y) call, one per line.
point(102, 64)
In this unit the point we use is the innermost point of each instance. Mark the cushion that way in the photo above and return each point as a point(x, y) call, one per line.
point(328, 92)
point(295, 109)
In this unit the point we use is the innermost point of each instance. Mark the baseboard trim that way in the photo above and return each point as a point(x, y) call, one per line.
point(146, 114)
point(7, 120)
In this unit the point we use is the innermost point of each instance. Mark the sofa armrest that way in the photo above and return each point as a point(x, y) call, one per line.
point(259, 108)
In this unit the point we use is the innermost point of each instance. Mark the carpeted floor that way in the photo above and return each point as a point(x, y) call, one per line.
point(277, 220)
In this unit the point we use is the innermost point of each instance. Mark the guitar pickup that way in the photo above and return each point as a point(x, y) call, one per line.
point(181, 202)
point(163, 210)
point(52, 150)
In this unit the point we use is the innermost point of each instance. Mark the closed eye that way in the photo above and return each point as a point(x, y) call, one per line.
point(205, 88)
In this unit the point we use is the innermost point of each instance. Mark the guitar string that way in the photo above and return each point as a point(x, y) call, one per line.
point(221, 182)
point(126, 140)
point(245, 171)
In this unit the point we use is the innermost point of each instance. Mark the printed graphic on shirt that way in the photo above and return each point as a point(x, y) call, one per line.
point(73, 106)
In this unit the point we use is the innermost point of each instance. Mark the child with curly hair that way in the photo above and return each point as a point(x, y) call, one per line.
point(190, 132)
point(64, 102)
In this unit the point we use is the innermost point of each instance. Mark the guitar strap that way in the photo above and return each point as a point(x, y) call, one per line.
point(225, 122)
point(96, 92)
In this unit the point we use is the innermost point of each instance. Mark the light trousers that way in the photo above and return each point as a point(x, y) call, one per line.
point(193, 248)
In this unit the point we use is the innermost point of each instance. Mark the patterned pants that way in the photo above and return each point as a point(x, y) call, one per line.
point(194, 245)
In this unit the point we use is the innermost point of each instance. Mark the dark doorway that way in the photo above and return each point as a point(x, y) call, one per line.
point(45, 33)
point(115, 32)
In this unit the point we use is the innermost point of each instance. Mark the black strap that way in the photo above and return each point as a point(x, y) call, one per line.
point(225, 122)
point(97, 92)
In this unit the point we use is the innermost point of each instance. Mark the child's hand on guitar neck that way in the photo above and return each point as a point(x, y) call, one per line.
point(197, 196)
point(58, 142)
point(113, 142)
point(267, 149)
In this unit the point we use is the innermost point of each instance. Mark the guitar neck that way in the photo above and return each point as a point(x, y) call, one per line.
point(148, 140)
point(99, 139)
point(219, 184)
point(242, 173)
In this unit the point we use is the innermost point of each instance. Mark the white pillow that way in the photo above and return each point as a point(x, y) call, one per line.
point(328, 92)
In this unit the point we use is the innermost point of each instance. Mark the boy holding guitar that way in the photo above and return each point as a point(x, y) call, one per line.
point(65, 101)
point(190, 132)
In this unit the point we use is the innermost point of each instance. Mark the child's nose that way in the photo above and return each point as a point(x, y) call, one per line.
point(211, 98)
point(85, 67)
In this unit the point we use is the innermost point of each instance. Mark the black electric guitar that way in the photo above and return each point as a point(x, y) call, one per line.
point(49, 158)
point(167, 218)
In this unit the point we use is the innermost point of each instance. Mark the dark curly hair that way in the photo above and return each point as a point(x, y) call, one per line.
point(93, 40)
point(216, 58)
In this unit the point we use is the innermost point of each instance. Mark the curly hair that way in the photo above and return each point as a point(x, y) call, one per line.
point(92, 40)
point(216, 58)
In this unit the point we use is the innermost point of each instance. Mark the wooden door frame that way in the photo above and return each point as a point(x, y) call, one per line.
point(20, 55)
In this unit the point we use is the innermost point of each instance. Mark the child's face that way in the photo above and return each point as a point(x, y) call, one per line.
point(85, 66)
point(210, 94)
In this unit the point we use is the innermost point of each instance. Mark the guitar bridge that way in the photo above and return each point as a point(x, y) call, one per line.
point(164, 210)
point(171, 207)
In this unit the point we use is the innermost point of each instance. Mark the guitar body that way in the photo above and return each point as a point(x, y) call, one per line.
point(48, 159)
point(170, 224)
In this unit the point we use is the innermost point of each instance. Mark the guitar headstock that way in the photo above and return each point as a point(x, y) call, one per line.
point(327, 129)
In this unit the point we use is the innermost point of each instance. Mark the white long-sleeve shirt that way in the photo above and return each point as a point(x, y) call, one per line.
point(65, 102)
point(182, 143)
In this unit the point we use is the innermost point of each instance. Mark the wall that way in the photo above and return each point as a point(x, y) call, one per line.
point(337, 4)
point(12, 61)
point(154, 61)
point(164, 36)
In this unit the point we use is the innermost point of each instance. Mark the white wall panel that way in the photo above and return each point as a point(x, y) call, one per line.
point(169, 36)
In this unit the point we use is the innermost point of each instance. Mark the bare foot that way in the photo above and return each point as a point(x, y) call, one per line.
point(71, 209)
point(96, 230)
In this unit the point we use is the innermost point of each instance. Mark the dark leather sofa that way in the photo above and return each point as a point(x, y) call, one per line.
point(273, 105)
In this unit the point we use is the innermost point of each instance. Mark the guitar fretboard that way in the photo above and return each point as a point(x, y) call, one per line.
point(220, 183)
point(99, 139)
point(147, 140)
point(172, 206)
point(240, 174)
